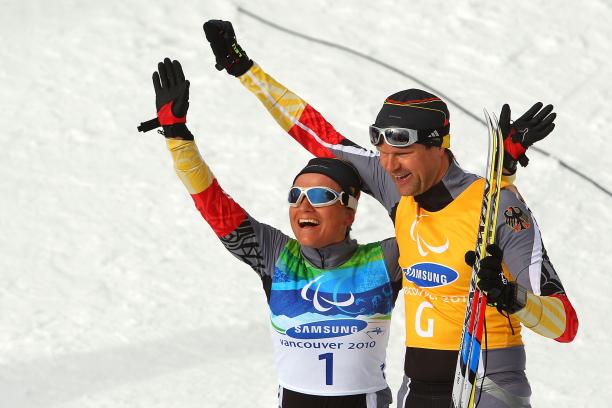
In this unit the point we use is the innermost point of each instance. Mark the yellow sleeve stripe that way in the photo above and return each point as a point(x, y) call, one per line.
point(189, 165)
point(285, 106)
point(507, 180)
point(544, 315)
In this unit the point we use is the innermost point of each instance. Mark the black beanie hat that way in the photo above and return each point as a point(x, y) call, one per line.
point(338, 170)
point(419, 110)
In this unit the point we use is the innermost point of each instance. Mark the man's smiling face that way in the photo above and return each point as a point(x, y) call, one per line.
point(414, 169)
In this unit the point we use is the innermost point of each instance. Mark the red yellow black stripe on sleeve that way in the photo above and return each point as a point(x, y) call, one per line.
point(550, 316)
point(221, 212)
point(307, 126)
point(571, 320)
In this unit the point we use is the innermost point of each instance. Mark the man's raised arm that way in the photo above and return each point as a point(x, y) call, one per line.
point(296, 117)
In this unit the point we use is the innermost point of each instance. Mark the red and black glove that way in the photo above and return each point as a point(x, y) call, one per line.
point(532, 126)
point(171, 101)
point(228, 53)
point(501, 293)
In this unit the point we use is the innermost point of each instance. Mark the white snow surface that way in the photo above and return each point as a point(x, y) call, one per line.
point(115, 293)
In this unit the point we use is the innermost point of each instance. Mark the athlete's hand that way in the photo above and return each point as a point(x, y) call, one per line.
point(532, 126)
point(171, 101)
point(228, 53)
point(171, 92)
point(500, 292)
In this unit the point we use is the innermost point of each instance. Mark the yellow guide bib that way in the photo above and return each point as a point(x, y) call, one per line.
point(436, 278)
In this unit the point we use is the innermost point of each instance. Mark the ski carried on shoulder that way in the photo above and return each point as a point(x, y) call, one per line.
point(469, 361)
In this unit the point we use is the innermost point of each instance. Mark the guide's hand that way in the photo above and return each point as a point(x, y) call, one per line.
point(532, 126)
point(228, 53)
point(500, 292)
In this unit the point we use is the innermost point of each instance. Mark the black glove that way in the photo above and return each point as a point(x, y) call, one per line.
point(500, 292)
point(171, 101)
point(533, 125)
point(229, 55)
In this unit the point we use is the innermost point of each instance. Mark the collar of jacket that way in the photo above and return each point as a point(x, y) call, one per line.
point(454, 182)
point(331, 256)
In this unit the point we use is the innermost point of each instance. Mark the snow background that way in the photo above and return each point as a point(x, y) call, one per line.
point(114, 293)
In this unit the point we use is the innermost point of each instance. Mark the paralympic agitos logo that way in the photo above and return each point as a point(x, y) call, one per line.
point(423, 246)
point(320, 303)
